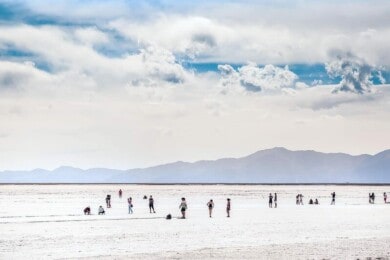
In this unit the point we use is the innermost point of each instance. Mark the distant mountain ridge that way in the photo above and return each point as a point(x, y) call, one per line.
point(276, 165)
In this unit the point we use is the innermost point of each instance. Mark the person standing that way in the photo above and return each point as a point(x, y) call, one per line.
point(276, 200)
point(183, 207)
point(228, 208)
point(333, 198)
point(300, 199)
point(130, 202)
point(385, 197)
point(120, 193)
point(210, 205)
point(151, 204)
point(108, 201)
point(373, 198)
point(270, 200)
point(297, 199)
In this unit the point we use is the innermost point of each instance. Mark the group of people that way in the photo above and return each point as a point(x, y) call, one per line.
point(315, 202)
point(210, 206)
point(273, 199)
point(371, 197)
point(272, 202)
point(299, 199)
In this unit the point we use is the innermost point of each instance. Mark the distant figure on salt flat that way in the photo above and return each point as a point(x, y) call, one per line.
point(87, 211)
point(300, 199)
point(297, 199)
point(371, 198)
point(276, 200)
point(311, 201)
point(101, 211)
point(385, 197)
point(270, 200)
point(333, 198)
point(210, 205)
point(130, 204)
point(108, 201)
point(183, 207)
point(316, 202)
point(228, 208)
point(151, 204)
point(120, 193)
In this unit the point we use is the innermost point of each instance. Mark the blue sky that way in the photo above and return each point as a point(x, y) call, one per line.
point(156, 81)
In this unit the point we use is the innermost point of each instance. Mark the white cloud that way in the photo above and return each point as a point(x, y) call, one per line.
point(356, 74)
point(255, 79)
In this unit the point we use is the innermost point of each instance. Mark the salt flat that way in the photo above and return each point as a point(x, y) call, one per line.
point(47, 222)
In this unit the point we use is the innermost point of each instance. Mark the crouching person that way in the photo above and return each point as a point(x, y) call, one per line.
point(87, 211)
point(101, 211)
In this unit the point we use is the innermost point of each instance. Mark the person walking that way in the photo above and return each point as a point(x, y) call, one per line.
point(333, 198)
point(297, 199)
point(385, 197)
point(300, 199)
point(130, 204)
point(210, 205)
point(228, 208)
point(276, 200)
point(183, 208)
point(151, 204)
point(270, 200)
point(373, 198)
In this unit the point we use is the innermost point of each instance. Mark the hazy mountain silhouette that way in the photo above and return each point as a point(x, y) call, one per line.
point(277, 165)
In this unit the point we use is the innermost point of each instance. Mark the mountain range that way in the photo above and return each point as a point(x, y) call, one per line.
point(277, 165)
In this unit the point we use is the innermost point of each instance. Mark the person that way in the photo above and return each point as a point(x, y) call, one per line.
point(87, 211)
point(270, 200)
point(108, 201)
point(297, 199)
point(333, 198)
point(316, 202)
point(373, 198)
point(120, 193)
point(130, 202)
point(276, 200)
point(301, 199)
point(210, 205)
point(311, 202)
point(228, 208)
point(385, 197)
point(183, 207)
point(369, 198)
point(151, 204)
point(101, 211)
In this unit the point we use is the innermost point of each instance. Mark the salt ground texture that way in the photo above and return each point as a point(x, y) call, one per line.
point(47, 222)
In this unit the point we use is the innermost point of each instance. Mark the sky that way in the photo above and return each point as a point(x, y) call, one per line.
point(126, 84)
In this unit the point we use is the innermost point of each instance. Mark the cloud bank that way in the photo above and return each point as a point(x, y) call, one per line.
point(107, 83)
